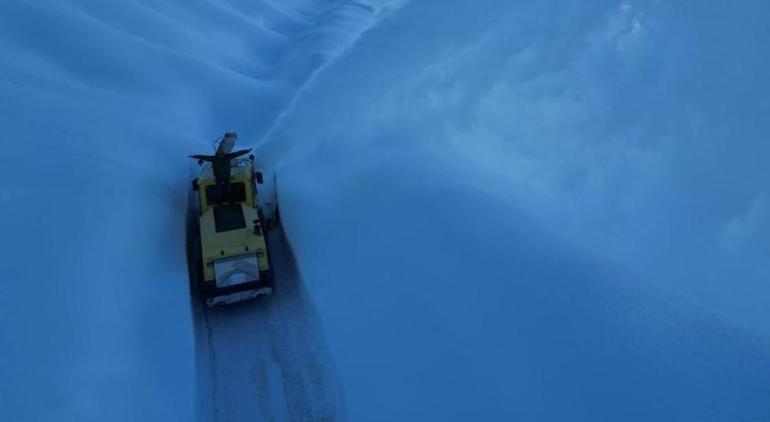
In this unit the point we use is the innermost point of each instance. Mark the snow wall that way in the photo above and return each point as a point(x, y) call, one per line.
point(100, 103)
point(540, 211)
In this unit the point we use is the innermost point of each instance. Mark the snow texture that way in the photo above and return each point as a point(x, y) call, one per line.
point(540, 211)
point(101, 104)
point(499, 210)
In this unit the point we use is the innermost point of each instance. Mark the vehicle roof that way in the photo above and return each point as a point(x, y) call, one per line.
point(234, 240)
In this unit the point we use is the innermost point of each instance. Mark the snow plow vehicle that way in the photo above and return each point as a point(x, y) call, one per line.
point(229, 229)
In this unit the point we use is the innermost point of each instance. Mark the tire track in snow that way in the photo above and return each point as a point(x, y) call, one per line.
point(263, 359)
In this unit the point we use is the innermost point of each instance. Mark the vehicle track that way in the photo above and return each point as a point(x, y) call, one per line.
point(262, 360)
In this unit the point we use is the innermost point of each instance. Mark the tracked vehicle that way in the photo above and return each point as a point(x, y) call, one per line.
point(233, 259)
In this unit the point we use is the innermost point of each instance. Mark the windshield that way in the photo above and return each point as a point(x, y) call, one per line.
point(228, 217)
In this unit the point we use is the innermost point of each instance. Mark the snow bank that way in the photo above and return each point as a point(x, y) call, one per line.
point(101, 102)
point(539, 211)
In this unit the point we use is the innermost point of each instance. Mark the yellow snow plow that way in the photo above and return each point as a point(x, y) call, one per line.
point(233, 257)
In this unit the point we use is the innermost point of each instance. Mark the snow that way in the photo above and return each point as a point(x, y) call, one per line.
point(500, 210)
point(533, 211)
point(101, 104)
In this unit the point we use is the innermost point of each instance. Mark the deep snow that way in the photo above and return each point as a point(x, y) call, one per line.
point(543, 210)
point(100, 103)
point(540, 211)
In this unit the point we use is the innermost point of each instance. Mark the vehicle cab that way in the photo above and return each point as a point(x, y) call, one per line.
point(234, 255)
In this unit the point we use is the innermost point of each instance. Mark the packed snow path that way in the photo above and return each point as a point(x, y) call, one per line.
point(264, 359)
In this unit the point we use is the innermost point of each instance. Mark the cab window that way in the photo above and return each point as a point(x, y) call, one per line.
point(228, 217)
point(235, 193)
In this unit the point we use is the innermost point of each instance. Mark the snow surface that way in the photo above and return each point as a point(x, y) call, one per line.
point(104, 101)
point(540, 211)
point(501, 210)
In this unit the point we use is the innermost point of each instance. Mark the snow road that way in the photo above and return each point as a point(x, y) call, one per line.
point(263, 359)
